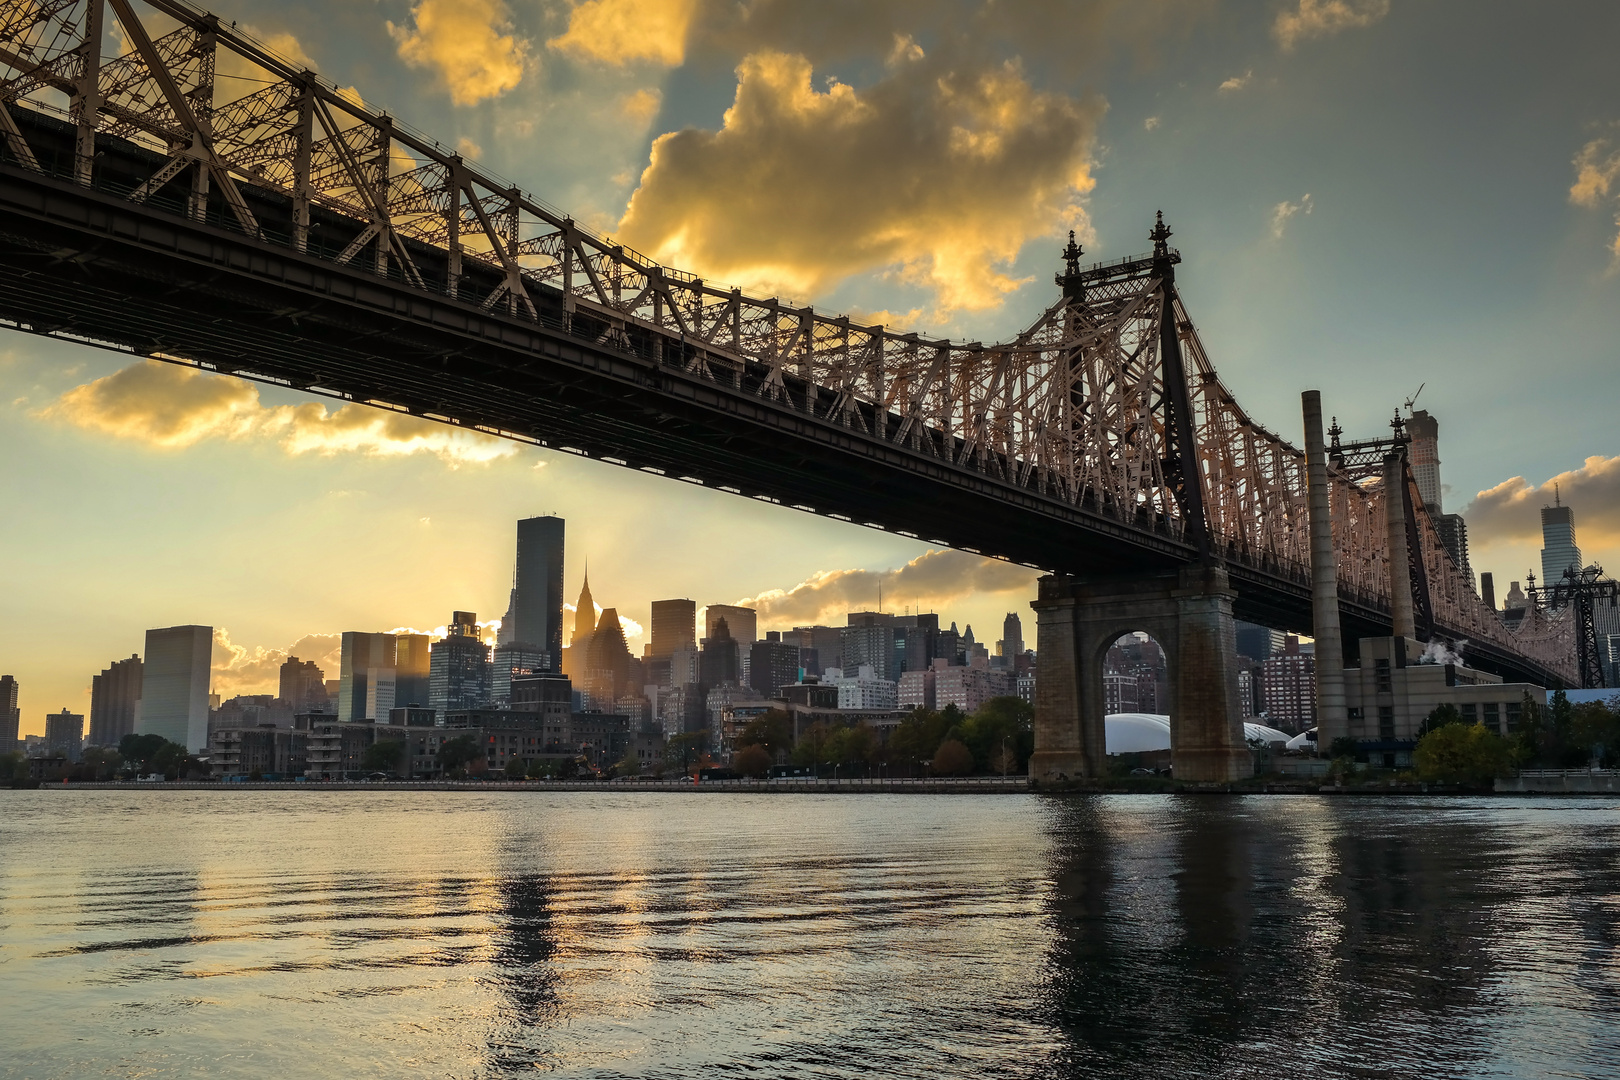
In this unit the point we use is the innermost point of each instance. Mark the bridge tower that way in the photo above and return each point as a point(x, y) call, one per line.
point(1188, 610)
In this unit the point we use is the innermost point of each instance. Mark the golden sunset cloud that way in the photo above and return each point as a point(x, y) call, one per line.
point(937, 172)
point(172, 407)
point(468, 42)
point(622, 32)
point(1324, 18)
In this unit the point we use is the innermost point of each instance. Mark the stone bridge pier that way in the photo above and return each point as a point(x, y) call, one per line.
point(1189, 613)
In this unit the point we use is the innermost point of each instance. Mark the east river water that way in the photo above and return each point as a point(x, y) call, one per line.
point(449, 934)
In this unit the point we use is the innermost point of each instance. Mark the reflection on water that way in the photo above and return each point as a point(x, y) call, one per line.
point(248, 934)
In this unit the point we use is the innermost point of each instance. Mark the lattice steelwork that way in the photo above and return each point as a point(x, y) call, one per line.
point(1076, 407)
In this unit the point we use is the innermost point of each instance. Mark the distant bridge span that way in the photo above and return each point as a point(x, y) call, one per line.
point(274, 235)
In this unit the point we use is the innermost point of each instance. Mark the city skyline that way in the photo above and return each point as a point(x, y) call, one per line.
point(159, 496)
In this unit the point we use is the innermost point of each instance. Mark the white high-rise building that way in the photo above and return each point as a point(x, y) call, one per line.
point(174, 685)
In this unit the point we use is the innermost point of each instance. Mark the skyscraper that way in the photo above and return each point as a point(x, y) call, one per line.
point(174, 685)
point(303, 685)
point(1012, 635)
point(114, 695)
point(607, 659)
point(413, 658)
point(513, 660)
point(537, 594)
point(1558, 549)
point(774, 664)
point(459, 666)
point(10, 716)
point(574, 660)
point(64, 734)
point(742, 622)
point(720, 662)
point(674, 626)
point(362, 653)
point(1425, 458)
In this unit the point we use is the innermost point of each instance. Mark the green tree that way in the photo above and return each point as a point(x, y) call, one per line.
point(141, 748)
point(687, 752)
point(458, 753)
point(14, 771)
point(1002, 727)
point(100, 763)
point(384, 755)
point(516, 769)
point(772, 730)
point(953, 758)
point(172, 761)
point(811, 749)
point(915, 738)
point(752, 760)
point(629, 765)
point(1461, 754)
point(850, 745)
point(1595, 731)
point(1439, 718)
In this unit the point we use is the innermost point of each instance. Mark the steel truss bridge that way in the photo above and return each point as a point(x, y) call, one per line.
point(202, 201)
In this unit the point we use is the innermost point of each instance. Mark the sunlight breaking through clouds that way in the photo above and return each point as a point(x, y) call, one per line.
point(172, 407)
point(929, 581)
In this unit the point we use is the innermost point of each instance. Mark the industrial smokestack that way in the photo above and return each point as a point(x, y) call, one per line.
point(1332, 717)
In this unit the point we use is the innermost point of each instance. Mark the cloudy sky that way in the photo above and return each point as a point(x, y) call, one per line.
point(1370, 195)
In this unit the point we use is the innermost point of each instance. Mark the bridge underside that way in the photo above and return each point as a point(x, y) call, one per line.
point(92, 267)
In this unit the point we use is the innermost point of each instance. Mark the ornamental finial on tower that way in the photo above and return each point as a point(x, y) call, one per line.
point(1072, 253)
point(1069, 280)
point(1160, 235)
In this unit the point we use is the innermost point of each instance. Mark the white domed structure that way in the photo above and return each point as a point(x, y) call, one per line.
point(1144, 733)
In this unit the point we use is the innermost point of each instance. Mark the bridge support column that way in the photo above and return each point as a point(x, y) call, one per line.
point(1190, 615)
point(1067, 746)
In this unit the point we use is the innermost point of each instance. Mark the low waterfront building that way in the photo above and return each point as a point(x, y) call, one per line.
point(1399, 683)
point(270, 751)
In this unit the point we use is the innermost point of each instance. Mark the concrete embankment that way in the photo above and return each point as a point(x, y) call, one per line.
point(940, 786)
point(1561, 782)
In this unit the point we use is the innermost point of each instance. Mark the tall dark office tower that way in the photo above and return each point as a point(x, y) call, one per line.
point(537, 595)
point(773, 664)
point(721, 661)
point(10, 717)
point(674, 626)
point(113, 697)
point(362, 654)
point(1012, 635)
point(412, 667)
